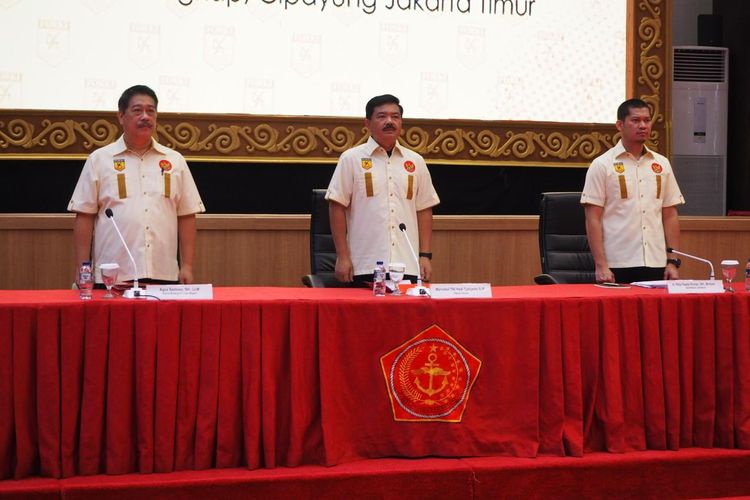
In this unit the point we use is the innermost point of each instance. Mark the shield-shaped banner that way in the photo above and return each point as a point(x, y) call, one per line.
point(218, 46)
point(433, 92)
point(259, 95)
point(345, 99)
point(394, 42)
point(10, 89)
point(306, 54)
point(471, 46)
point(144, 44)
point(53, 40)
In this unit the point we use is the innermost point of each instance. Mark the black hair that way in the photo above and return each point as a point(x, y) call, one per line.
point(135, 90)
point(624, 109)
point(379, 100)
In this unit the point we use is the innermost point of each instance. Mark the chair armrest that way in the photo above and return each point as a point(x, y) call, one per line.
point(545, 279)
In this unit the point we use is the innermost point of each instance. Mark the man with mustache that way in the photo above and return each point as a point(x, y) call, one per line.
point(630, 200)
point(376, 187)
point(151, 193)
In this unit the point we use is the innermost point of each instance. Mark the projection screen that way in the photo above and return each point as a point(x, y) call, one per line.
point(530, 60)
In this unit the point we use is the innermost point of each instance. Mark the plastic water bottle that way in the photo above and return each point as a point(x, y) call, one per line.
point(747, 276)
point(85, 280)
point(378, 279)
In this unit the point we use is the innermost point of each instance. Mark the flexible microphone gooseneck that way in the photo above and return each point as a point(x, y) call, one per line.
point(700, 259)
point(134, 292)
point(419, 290)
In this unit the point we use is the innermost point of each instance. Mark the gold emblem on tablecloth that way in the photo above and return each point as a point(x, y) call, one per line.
point(429, 378)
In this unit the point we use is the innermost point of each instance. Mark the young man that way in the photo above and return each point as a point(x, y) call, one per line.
point(376, 187)
point(630, 199)
point(151, 193)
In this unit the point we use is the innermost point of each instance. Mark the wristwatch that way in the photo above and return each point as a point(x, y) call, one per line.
point(675, 262)
point(426, 254)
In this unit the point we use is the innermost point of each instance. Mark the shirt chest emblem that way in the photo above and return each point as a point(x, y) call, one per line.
point(119, 165)
point(656, 168)
point(366, 163)
point(619, 167)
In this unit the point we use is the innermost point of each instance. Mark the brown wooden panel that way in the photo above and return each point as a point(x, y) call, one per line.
point(37, 258)
point(36, 250)
point(252, 257)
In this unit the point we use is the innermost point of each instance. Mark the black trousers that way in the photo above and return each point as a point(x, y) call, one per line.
point(365, 280)
point(631, 274)
point(144, 281)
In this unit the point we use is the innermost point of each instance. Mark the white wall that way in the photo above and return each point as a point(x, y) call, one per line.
point(685, 20)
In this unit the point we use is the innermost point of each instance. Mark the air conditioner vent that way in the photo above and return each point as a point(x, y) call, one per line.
point(700, 65)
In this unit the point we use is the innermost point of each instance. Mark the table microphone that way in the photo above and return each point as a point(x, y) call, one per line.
point(419, 290)
point(711, 277)
point(135, 292)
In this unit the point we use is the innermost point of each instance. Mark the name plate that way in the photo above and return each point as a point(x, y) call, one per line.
point(181, 292)
point(461, 291)
point(695, 286)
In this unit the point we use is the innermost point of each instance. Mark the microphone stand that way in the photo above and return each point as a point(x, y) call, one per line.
point(712, 276)
point(419, 290)
point(135, 292)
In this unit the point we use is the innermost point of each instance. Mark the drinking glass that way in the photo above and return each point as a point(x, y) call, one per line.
point(396, 270)
point(729, 271)
point(109, 273)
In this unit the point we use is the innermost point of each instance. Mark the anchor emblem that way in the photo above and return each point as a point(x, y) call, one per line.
point(429, 377)
point(432, 370)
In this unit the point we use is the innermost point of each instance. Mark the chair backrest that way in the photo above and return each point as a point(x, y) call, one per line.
point(322, 249)
point(563, 246)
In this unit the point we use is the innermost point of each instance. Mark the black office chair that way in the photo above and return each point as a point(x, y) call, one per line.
point(563, 246)
point(322, 250)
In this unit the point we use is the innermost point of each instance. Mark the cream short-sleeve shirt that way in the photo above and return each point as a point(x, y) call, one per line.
point(379, 193)
point(632, 193)
point(146, 197)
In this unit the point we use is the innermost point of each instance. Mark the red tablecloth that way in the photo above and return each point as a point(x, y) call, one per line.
point(263, 377)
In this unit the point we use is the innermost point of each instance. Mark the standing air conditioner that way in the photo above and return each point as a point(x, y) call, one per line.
point(700, 89)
